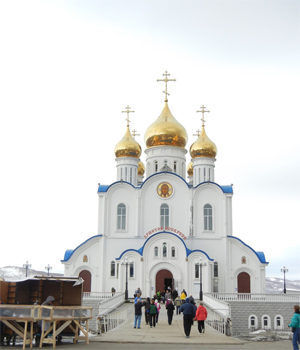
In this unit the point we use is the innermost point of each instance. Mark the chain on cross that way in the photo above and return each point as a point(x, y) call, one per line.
point(166, 80)
point(203, 111)
point(127, 111)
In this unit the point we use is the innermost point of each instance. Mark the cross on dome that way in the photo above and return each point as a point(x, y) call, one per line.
point(166, 80)
point(203, 111)
point(134, 133)
point(128, 111)
point(198, 132)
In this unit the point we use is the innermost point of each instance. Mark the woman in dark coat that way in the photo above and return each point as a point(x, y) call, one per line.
point(170, 311)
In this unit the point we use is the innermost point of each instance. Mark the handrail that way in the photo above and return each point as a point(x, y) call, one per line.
point(248, 297)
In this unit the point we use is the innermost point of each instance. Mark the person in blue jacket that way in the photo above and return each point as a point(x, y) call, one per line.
point(189, 313)
point(295, 325)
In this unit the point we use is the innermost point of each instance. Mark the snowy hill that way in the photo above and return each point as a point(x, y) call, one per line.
point(273, 284)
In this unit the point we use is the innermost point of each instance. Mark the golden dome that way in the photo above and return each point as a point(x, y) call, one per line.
point(203, 147)
point(166, 131)
point(190, 169)
point(128, 147)
point(141, 168)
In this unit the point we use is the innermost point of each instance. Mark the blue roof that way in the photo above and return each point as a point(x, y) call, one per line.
point(70, 252)
point(260, 255)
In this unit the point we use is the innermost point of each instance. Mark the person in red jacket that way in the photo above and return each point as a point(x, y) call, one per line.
point(201, 316)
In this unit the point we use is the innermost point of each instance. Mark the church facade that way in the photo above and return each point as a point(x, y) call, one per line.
point(164, 229)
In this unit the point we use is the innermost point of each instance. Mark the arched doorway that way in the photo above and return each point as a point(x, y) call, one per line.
point(87, 278)
point(163, 280)
point(243, 283)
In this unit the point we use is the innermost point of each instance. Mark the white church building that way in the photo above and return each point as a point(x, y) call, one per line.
point(166, 224)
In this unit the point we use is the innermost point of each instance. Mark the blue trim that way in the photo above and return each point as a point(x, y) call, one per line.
point(103, 188)
point(141, 250)
point(260, 255)
point(70, 252)
point(165, 172)
point(225, 189)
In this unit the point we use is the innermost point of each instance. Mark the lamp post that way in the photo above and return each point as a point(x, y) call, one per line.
point(126, 263)
point(48, 268)
point(284, 270)
point(26, 266)
point(199, 263)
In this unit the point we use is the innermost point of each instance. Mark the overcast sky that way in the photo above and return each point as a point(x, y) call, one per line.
point(68, 69)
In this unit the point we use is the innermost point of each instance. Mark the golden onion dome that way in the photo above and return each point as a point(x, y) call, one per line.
point(190, 169)
point(128, 147)
point(141, 168)
point(203, 147)
point(166, 131)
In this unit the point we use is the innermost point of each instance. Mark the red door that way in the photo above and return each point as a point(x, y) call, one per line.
point(164, 279)
point(87, 278)
point(243, 280)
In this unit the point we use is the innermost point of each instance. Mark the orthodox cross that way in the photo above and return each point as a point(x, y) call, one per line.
point(198, 132)
point(166, 82)
point(203, 111)
point(128, 111)
point(134, 133)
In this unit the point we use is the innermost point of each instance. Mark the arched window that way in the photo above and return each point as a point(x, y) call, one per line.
point(278, 322)
point(121, 225)
point(208, 219)
point(156, 252)
point(173, 252)
point(252, 322)
point(112, 269)
point(156, 167)
point(197, 270)
point(266, 322)
point(164, 250)
point(131, 270)
point(216, 269)
point(164, 216)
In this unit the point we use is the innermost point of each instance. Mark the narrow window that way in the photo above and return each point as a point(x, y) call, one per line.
point(208, 217)
point(175, 167)
point(131, 270)
point(130, 175)
point(164, 216)
point(112, 269)
point(173, 252)
point(121, 217)
point(204, 174)
point(121, 177)
point(209, 174)
point(164, 250)
point(125, 174)
point(216, 272)
point(156, 167)
point(156, 252)
point(252, 321)
point(197, 271)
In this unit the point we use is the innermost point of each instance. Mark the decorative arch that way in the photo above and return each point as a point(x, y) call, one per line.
point(163, 280)
point(87, 278)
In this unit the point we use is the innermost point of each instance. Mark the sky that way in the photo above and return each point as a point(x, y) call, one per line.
point(69, 68)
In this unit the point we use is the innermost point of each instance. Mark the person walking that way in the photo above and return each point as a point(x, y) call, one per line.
point(170, 311)
point(178, 303)
point(157, 304)
point(189, 313)
point(295, 325)
point(147, 307)
point(138, 313)
point(201, 316)
point(152, 313)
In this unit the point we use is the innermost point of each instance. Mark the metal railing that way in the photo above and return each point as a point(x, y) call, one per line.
point(106, 323)
point(100, 295)
point(248, 297)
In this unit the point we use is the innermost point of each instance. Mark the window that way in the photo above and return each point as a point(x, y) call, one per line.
point(252, 322)
point(164, 216)
point(197, 271)
point(204, 174)
point(216, 269)
point(121, 225)
point(125, 174)
point(175, 167)
point(131, 270)
point(173, 252)
point(156, 252)
point(156, 167)
point(266, 322)
point(278, 322)
point(208, 217)
point(130, 179)
point(164, 250)
point(112, 269)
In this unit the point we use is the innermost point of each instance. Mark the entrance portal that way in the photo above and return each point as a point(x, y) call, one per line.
point(243, 280)
point(164, 279)
point(87, 278)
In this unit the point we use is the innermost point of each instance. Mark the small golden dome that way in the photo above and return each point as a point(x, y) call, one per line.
point(128, 147)
point(166, 131)
point(190, 169)
point(141, 168)
point(203, 147)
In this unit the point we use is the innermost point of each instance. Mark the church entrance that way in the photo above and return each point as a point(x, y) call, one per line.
point(164, 279)
point(87, 278)
point(243, 282)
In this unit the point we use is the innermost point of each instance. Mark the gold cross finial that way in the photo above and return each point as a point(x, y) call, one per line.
point(198, 132)
point(203, 111)
point(128, 111)
point(134, 133)
point(166, 82)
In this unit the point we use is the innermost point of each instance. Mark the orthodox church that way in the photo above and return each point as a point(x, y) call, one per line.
point(158, 228)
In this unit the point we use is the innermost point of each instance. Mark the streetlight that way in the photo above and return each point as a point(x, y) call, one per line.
point(48, 268)
point(200, 264)
point(284, 270)
point(26, 266)
point(126, 263)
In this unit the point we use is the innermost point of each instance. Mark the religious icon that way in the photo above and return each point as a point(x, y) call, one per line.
point(164, 190)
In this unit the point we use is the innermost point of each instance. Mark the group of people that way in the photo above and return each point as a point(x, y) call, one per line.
point(170, 299)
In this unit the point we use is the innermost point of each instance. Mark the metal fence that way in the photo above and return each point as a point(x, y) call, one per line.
point(255, 297)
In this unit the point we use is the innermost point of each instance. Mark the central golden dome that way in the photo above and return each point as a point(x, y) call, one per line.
point(166, 131)
point(203, 147)
point(128, 147)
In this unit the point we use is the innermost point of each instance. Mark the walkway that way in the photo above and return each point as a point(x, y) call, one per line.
point(162, 333)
